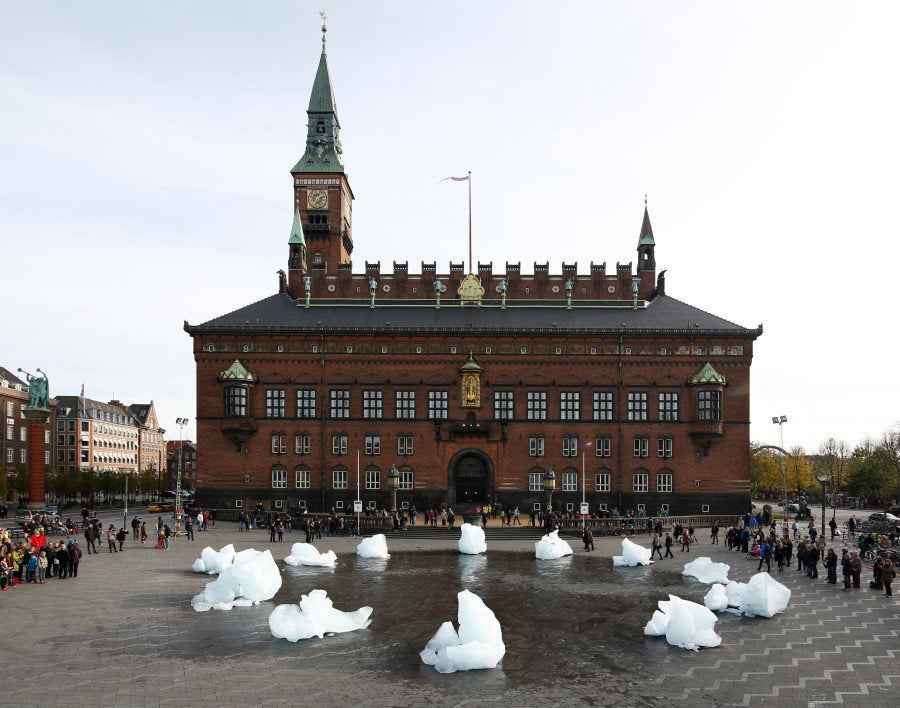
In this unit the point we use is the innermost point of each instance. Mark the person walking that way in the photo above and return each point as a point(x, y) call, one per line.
point(189, 527)
point(668, 546)
point(714, 534)
point(887, 575)
point(143, 532)
point(765, 556)
point(135, 527)
point(778, 555)
point(587, 538)
point(90, 538)
point(812, 561)
point(833, 526)
point(121, 535)
point(656, 547)
point(685, 541)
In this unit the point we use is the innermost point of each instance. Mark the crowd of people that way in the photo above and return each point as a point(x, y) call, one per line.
point(34, 559)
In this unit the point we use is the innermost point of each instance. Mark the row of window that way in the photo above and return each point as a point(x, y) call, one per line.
point(715, 350)
point(339, 444)
point(709, 405)
point(602, 480)
point(602, 446)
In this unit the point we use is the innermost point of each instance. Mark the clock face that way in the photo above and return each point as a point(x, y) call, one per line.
point(317, 199)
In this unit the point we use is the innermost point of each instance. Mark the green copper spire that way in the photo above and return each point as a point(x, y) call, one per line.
point(646, 237)
point(323, 144)
point(297, 230)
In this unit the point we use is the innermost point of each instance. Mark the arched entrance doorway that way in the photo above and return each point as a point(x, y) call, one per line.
point(471, 477)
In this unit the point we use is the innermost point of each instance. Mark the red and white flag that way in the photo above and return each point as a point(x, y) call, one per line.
point(457, 179)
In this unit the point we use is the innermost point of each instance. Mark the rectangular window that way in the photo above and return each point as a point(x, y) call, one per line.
point(570, 405)
point(664, 482)
point(668, 406)
point(637, 405)
point(709, 406)
point(23, 456)
point(536, 446)
point(60, 440)
point(339, 479)
point(274, 403)
point(406, 479)
point(60, 424)
point(10, 432)
point(570, 482)
point(642, 447)
point(537, 405)
point(71, 455)
point(405, 405)
point(535, 481)
point(373, 444)
point(404, 445)
point(46, 437)
point(437, 405)
point(9, 456)
point(60, 455)
point(603, 447)
point(569, 446)
point(603, 406)
point(235, 401)
point(301, 478)
point(85, 426)
point(279, 478)
point(373, 404)
point(339, 444)
point(340, 403)
point(306, 403)
point(71, 440)
point(23, 433)
point(9, 408)
point(301, 444)
point(278, 444)
point(503, 405)
point(664, 447)
point(373, 479)
point(641, 482)
point(602, 482)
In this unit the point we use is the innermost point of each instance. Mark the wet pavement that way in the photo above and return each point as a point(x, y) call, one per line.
point(123, 633)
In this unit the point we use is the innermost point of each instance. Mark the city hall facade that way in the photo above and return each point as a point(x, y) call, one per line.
point(472, 383)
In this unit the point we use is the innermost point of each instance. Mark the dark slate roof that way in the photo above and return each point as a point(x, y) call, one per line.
point(80, 407)
point(12, 378)
point(140, 411)
point(279, 312)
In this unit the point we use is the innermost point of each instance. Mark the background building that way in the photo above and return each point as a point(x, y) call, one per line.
point(472, 383)
point(181, 454)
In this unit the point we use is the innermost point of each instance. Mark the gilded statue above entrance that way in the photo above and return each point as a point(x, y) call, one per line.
point(471, 384)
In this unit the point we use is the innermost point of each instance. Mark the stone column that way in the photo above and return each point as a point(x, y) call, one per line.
point(37, 425)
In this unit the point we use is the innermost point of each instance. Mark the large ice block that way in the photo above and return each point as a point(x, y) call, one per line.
point(551, 547)
point(315, 616)
point(307, 554)
point(763, 596)
point(716, 599)
point(478, 645)
point(253, 578)
point(472, 539)
point(374, 547)
point(706, 571)
point(633, 554)
point(685, 624)
point(212, 561)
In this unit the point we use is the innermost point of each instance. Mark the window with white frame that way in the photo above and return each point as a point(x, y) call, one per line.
point(536, 405)
point(301, 444)
point(301, 478)
point(570, 482)
point(373, 404)
point(536, 446)
point(536, 481)
point(641, 481)
point(603, 446)
point(339, 479)
point(306, 403)
point(405, 405)
point(373, 444)
point(340, 403)
point(664, 482)
point(9, 455)
point(278, 444)
point(406, 479)
point(642, 447)
point(664, 447)
point(23, 456)
point(569, 446)
point(668, 406)
point(709, 406)
point(339, 444)
point(637, 405)
point(603, 405)
point(404, 445)
point(373, 479)
point(274, 403)
point(602, 481)
point(279, 477)
point(437, 405)
point(570, 405)
point(235, 401)
point(23, 433)
point(503, 405)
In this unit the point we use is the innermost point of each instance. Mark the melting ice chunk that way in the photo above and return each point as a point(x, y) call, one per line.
point(212, 561)
point(374, 547)
point(253, 577)
point(632, 554)
point(314, 616)
point(706, 571)
point(551, 547)
point(472, 539)
point(685, 624)
point(307, 554)
point(477, 645)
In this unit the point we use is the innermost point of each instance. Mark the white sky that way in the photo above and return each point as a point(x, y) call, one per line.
point(145, 151)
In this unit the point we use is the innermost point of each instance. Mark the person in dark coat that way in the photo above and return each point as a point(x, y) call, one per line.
point(588, 539)
point(90, 538)
point(62, 555)
point(74, 557)
point(121, 535)
point(831, 561)
point(846, 569)
point(668, 546)
point(887, 575)
point(812, 561)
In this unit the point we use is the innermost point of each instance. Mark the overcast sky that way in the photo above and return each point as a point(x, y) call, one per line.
point(145, 151)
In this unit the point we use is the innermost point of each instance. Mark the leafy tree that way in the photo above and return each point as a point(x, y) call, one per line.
point(765, 470)
point(799, 471)
point(833, 456)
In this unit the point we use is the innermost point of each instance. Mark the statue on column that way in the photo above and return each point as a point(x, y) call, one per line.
point(38, 389)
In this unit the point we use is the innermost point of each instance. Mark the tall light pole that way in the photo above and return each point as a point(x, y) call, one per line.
point(549, 486)
point(180, 422)
point(780, 420)
point(583, 487)
point(125, 512)
point(823, 476)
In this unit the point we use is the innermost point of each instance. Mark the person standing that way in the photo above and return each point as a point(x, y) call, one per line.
point(714, 534)
point(143, 532)
point(111, 538)
point(833, 526)
point(189, 527)
point(451, 518)
point(135, 527)
point(887, 575)
point(656, 547)
point(668, 546)
point(74, 557)
point(856, 565)
point(851, 525)
point(685, 541)
point(90, 538)
point(121, 535)
point(812, 561)
point(42, 567)
point(588, 539)
point(831, 561)
point(62, 555)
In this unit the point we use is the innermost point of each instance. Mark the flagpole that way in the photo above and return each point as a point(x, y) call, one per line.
point(470, 223)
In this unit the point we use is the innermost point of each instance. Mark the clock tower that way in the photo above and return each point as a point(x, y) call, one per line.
point(322, 195)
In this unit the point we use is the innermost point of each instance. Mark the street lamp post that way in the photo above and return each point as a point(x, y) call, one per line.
point(780, 420)
point(125, 512)
point(180, 422)
point(583, 487)
point(393, 484)
point(549, 486)
point(823, 478)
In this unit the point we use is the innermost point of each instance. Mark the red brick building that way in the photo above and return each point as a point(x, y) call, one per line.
point(472, 384)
